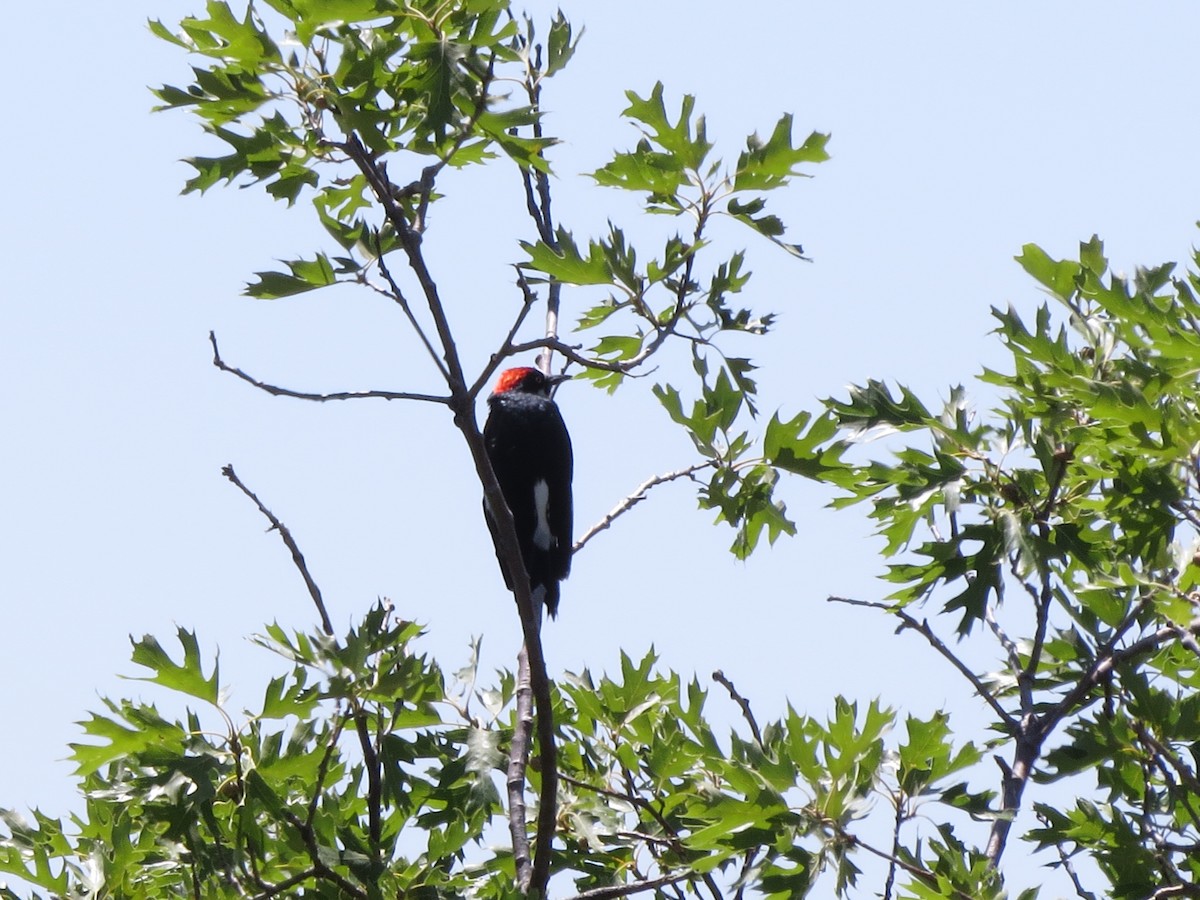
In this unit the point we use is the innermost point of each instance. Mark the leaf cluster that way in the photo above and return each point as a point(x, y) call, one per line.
point(281, 799)
point(1077, 495)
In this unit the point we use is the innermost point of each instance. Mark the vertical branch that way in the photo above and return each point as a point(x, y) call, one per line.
point(374, 776)
point(889, 885)
point(517, 759)
point(531, 665)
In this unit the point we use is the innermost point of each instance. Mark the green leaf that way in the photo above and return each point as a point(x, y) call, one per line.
point(764, 166)
point(768, 226)
point(675, 139)
point(306, 275)
point(1058, 277)
point(659, 174)
point(566, 264)
point(559, 46)
point(314, 16)
point(224, 36)
point(187, 677)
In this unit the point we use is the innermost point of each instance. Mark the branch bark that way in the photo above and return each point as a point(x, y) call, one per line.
point(922, 628)
point(290, 543)
point(278, 391)
point(461, 402)
point(638, 495)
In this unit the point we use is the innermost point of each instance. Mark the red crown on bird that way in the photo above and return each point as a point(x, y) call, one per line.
point(512, 379)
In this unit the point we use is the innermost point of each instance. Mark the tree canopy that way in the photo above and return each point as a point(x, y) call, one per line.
point(1053, 534)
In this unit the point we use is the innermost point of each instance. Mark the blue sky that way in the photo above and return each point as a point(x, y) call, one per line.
point(959, 133)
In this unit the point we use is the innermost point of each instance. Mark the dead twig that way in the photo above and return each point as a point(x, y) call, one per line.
point(923, 628)
point(638, 495)
point(747, 713)
point(290, 543)
point(277, 391)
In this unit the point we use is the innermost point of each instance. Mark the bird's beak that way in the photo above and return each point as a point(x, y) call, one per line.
point(555, 380)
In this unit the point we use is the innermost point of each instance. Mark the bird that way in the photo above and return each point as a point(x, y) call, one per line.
point(530, 451)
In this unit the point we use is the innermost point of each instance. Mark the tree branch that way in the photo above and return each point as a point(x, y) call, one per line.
point(898, 822)
point(374, 777)
point(1010, 724)
point(461, 402)
point(277, 391)
point(1034, 730)
point(572, 353)
point(506, 346)
point(638, 495)
point(518, 756)
point(398, 297)
point(626, 890)
point(741, 701)
point(290, 543)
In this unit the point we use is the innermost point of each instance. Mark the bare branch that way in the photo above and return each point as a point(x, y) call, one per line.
point(638, 495)
point(543, 218)
point(1024, 683)
point(916, 871)
point(461, 402)
point(397, 295)
point(1010, 724)
point(741, 701)
point(274, 890)
point(638, 887)
point(898, 822)
point(290, 543)
point(1062, 456)
point(518, 756)
point(571, 352)
point(1034, 730)
point(506, 350)
point(1068, 867)
point(323, 769)
point(1107, 658)
point(320, 398)
point(1176, 890)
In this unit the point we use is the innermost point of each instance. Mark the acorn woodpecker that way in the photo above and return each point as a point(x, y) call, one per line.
point(530, 452)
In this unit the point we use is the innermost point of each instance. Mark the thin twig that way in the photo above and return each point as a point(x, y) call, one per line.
point(319, 868)
point(916, 871)
point(1024, 684)
point(323, 769)
point(290, 543)
point(1010, 724)
point(626, 890)
point(1069, 867)
point(571, 352)
point(631, 797)
point(398, 297)
point(747, 713)
point(892, 863)
point(274, 890)
point(506, 350)
point(278, 391)
point(638, 495)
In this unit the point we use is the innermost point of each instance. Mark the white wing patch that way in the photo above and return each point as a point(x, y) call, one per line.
point(542, 539)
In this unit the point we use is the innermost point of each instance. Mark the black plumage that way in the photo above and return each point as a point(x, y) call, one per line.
point(530, 450)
